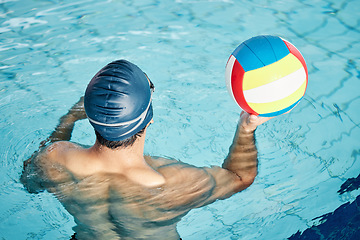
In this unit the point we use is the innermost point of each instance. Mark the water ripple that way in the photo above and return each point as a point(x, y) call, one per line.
point(50, 50)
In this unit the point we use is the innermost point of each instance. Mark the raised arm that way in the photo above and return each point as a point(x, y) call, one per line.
point(239, 169)
point(242, 157)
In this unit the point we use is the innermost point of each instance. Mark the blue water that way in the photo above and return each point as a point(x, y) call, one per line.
point(49, 50)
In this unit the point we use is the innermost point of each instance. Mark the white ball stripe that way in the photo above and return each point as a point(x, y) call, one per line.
point(228, 73)
point(276, 90)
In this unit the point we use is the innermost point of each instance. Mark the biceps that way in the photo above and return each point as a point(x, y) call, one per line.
point(226, 183)
point(212, 184)
point(192, 187)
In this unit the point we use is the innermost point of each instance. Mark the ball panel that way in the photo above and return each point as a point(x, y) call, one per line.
point(228, 72)
point(275, 106)
point(293, 50)
point(268, 49)
point(247, 58)
point(237, 75)
point(271, 73)
point(276, 90)
point(278, 46)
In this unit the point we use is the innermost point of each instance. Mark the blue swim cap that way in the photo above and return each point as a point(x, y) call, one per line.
point(118, 101)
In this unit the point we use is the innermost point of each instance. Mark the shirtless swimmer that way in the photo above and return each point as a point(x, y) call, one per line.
point(112, 189)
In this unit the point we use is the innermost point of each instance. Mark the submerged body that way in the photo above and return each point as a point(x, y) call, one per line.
point(112, 190)
point(108, 204)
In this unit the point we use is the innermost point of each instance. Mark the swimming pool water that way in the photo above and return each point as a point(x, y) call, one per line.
point(49, 50)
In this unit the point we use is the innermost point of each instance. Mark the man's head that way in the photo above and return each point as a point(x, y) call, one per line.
point(118, 101)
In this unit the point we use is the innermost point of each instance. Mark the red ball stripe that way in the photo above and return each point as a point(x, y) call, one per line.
point(237, 76)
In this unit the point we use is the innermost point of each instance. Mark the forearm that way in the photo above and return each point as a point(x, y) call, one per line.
point(242, 158)
point(65, 127)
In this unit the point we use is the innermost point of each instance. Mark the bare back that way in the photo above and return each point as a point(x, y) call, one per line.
point(132, 204)
point(110, 206)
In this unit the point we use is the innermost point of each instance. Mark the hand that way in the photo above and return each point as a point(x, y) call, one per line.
point(250, 122)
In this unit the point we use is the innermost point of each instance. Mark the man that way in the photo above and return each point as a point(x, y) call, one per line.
point(112, 189)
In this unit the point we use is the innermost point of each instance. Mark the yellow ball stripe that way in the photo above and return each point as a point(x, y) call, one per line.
point(271, 73)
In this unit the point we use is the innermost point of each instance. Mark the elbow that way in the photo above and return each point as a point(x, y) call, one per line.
point(247, 180)
point(29, 177)
point(30, 185)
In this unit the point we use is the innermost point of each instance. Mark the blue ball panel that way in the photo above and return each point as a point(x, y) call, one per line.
point(280, 48)
point(262, 48)
point(268, 49)
point(260, 51)
point(247, 59)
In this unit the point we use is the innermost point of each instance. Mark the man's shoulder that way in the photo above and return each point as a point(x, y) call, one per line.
point(54, 159)
point(62, 145)
point(45, 168)
point(156, 162)
point(57, 151)
point(165, 164)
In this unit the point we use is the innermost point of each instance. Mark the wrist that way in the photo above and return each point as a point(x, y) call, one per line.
point(246, 128)
point(247, 131)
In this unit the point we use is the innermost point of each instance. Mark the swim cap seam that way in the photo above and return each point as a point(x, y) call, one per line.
point(119, 103)
point(138, 118)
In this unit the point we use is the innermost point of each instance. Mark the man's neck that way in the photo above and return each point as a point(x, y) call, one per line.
point(122, 157)
point(129, 162)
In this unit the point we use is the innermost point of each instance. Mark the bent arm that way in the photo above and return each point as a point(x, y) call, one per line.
point(242, 157)
point(31, 176)
point(190, 187)
point(239, 169)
